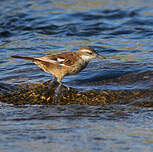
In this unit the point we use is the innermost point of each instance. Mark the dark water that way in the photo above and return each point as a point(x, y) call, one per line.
point(120, 30)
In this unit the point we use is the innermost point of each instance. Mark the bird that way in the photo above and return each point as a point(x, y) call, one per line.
point(64, 64)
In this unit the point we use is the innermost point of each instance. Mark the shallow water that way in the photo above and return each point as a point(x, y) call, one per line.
point(76, 128)
point(122, 31)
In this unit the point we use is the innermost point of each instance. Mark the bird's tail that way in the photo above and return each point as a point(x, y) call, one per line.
point(26, 58)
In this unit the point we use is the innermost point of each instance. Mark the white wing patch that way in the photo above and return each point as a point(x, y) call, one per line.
point(62, 64)
point(60, 59)
point(57, 60)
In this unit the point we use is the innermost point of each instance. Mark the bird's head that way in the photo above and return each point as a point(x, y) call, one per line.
point(88, 53)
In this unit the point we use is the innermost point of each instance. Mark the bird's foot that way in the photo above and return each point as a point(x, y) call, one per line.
point(61, 93)
point(60, 90)
point(68, 88)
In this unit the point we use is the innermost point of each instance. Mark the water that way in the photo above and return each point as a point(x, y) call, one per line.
point(122, 31)
point(76, 128)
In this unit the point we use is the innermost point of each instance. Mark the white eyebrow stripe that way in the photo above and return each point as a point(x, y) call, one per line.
point(85, 50)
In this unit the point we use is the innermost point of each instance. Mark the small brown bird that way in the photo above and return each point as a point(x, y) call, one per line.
point(69, 63)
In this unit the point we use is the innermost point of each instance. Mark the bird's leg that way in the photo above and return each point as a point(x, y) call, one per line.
point(52, 81)
point(59, 81)
point(66, 87)
point(57, 91)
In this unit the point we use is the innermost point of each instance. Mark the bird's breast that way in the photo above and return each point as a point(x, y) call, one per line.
point(77, 67)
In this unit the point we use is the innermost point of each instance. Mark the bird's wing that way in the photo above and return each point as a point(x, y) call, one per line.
point(64, 59)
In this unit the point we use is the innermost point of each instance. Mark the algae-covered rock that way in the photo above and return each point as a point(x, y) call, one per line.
point(42, 94)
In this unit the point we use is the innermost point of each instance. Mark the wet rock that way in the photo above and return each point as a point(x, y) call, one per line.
point(41, 94)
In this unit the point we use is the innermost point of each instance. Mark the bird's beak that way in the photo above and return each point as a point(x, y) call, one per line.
point(100, 56)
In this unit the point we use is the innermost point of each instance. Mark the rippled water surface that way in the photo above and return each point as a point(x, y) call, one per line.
point(122, 31)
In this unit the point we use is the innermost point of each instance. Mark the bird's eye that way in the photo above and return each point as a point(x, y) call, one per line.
point(90, 53)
